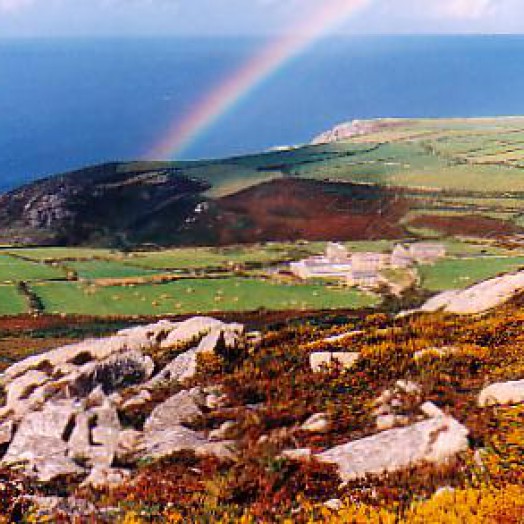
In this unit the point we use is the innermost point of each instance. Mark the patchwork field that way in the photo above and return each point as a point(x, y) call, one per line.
point(104, 283)
point(13, 269)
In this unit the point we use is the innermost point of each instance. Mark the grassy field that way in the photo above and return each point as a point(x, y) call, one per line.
point(11, 301)
point(193, 296)
point(95, 269)
point(47, 254)
point(13, 269)
point(191, 280)
point(460, 273)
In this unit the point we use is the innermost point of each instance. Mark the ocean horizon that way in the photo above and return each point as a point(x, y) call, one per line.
point(68, 103)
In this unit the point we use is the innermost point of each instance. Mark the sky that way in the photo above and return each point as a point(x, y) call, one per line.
point(86, 18)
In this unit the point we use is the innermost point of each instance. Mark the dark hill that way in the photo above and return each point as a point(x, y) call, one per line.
point(125, 205)
point(102, 205)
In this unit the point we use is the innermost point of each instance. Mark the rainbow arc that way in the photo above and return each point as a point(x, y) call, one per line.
point(317, 23)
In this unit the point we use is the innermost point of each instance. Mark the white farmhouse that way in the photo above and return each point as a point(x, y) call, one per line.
point(363, 278)
point(400, 257)
point(337, 253)
point(426, 252)
point(369, 261)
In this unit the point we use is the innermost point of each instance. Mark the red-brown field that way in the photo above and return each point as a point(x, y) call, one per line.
point(291, 209)
point(467, 225)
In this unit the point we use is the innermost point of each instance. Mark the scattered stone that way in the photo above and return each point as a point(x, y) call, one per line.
point(61, 414)
point(140, 399)
point(317, 423)
point(502, 394)
point(408, 387)
point(216, 401)
point(334, 504)
point(73, 507)
point(40, 443)
point(320, 361)
point(129, 447)
point(436, 440)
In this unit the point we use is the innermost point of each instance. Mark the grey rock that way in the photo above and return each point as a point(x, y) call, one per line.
point(182, 408)
point(105, 477)
point(436, 440)
point(190, 330)
point(159, 444)
point(6, 432)
point(40, 443)
point(478, 298)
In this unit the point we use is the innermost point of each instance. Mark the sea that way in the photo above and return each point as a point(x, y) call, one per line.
point(69, 103)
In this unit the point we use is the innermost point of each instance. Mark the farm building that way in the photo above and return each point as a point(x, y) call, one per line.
point(369, 261)
point(363, 278)
point(425, 252)
point(319, 267)
point(336, 252)
point(400, 257)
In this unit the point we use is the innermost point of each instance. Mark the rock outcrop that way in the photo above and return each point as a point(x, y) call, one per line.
point(352, 129)
point(478, 298)
point(62, 409)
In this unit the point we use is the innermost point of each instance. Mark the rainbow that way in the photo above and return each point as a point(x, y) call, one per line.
point(319, 22)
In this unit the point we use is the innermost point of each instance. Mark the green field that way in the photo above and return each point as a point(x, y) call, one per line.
point(13, 269)
point(11, 301)
point(461, 273)
point(95, 269)
point(193, 296)
point(61, 253)
point(236, 278)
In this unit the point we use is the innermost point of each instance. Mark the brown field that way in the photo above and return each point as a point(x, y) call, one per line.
point(466, 225)
point(288, 209)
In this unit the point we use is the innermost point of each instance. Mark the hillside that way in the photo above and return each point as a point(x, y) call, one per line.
point(373, 419)
point(424, 177)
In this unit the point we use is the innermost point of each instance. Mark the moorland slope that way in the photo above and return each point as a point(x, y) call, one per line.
point(422, 177)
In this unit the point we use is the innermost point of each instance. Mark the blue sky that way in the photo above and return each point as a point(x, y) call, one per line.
point(30, 18)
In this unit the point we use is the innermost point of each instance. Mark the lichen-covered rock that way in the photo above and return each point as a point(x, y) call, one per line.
point(61, 413)
point(106, 477)
point(502, 394)
point(40, 442)
point(190, 330)
point(436, 440)
point(159, 444)
point(182, 408)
